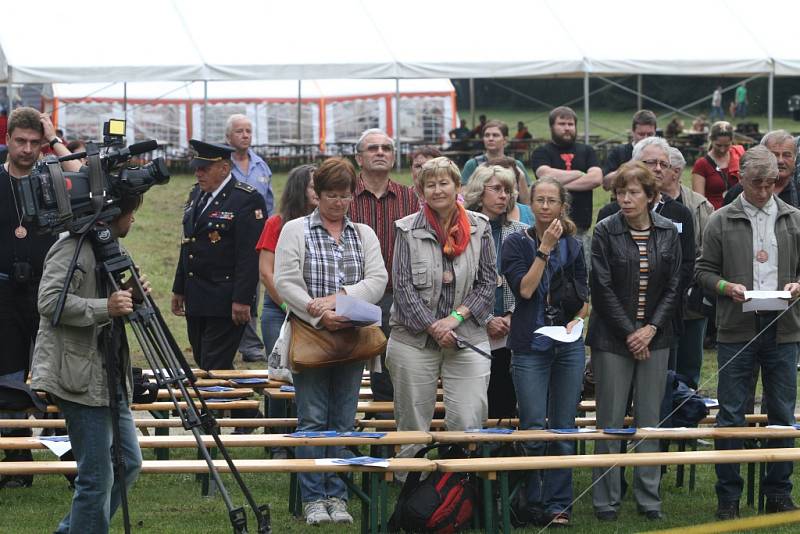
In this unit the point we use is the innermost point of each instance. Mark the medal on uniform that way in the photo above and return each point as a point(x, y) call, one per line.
point(20, 232)
point(214, 237)
point(447, 277)
point(762, 256)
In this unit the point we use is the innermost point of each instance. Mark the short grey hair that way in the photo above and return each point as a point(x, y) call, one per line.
point(676, 159)
point(779, 137)
point(647, 141)
point(371, 131)
point(759, 162)
point(233, 118)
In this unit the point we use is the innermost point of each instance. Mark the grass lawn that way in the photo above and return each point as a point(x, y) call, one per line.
point(172, 503)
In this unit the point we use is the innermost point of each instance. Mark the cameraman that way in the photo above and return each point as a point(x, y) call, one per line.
point(69, 364)
point(22, 254)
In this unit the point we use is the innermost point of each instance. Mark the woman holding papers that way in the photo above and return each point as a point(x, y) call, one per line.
point(444, 279)
point(317, 257)
point(490, 190)
point(547, 373)
point(636, 260)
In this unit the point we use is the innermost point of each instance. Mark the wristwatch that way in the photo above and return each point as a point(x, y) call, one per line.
point(54, 141)
point(540, 254)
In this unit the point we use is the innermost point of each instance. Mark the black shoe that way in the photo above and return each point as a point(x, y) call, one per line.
point(16, 481)
point(652, 515)
point(606, 515)
point(779, 503)
point(727, 510)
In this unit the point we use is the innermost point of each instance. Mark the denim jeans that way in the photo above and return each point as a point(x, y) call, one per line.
point(326, 399)
point(548, 387)
point(272, 318)
point(97, 492)
point(778, 364)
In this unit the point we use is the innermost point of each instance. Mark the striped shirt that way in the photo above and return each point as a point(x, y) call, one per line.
point(641, 238)
point(381, 213)
point(330, 265)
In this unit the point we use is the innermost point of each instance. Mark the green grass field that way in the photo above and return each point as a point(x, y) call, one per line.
point(172, 503)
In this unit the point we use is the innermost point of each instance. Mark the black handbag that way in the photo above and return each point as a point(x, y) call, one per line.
point(565, 297)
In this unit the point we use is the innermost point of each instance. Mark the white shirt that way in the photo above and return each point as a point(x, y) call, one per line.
point(762, 223)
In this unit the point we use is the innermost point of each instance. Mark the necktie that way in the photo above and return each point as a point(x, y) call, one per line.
point(201, 204)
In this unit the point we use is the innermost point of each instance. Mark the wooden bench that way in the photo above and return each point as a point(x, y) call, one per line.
point(498, 468)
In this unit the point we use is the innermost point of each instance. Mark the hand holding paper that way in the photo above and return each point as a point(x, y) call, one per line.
point(559, 333)
point(359, 312)
point(766, 300)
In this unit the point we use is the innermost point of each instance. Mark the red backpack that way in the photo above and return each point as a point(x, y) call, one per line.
point(443, 503)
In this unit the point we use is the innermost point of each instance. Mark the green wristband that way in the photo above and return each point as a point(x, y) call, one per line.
point(458, 316)
point(721, 287)
point(284, 307)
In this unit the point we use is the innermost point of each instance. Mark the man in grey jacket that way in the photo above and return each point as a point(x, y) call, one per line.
point(754, 244)
point(69, 365)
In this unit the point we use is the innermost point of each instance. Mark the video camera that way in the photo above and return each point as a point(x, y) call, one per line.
point(74, 201)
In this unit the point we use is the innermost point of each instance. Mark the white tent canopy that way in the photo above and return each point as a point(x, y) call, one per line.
point(304, 39)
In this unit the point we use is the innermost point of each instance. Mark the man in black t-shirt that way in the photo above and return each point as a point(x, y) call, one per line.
point(644, 125)
point(574, 165)
point(22, 253)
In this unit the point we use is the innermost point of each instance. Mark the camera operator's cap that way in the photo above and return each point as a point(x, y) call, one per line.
point(208, 153)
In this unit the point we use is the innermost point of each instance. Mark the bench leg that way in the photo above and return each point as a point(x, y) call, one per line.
point(680, 471)
point(294, 495)
point(761, 474)
point(692, 468)
point(751, 482)
point(161, 453)
point(505, 503)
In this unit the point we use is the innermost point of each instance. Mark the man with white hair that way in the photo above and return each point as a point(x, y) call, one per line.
point(751, 244)
point(250, 168)
point(653, 152)
point(783, 147)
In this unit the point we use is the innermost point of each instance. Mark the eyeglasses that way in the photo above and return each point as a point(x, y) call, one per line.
point(497, 189)
point(542, 201)
point(374, 148)
point(336, 198)
point(653, 163)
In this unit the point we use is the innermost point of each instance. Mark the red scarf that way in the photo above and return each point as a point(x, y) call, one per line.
point(455, 241)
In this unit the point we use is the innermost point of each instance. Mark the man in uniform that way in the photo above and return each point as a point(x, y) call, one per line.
point(217, 274)
point(250, 168)
point(22, 252)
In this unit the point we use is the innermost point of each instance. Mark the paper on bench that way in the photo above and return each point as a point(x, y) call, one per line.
point(559, 333)
point(58, 445)
point(360, 313)
point(358, 460)
point(766, 300)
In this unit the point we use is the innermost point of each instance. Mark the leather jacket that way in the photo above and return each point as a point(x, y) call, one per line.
point(615, 283)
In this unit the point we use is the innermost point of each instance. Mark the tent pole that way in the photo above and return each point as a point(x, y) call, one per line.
point(399, 153)
point(770, 97)
point(299, 115)
point(639, 92)
point(472, 101)
point(586, 107)
point(205, 108)
point(125, 101)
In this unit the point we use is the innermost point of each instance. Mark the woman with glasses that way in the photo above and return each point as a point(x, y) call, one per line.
point(490, 191)
point(317, 257)
point(519, 211)
point(718, 170)
point(547, 374)
point(636, 263)
point(444, 279)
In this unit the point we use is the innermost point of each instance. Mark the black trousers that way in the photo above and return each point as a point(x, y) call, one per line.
point(214, 341)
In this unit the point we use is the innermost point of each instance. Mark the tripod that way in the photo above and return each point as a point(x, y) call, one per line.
point(171, 371)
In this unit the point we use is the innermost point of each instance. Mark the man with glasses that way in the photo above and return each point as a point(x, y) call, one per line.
point(573, 164)
point(752, 244)
point(653, 152)
point(378, 202)
point(644, 125)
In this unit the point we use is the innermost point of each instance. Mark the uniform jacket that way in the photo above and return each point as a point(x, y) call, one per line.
point(67, 361)
point(218, 262)
point(728, 255)
point(615, 283)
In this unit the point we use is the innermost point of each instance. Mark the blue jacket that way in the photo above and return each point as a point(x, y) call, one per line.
point(519, 252)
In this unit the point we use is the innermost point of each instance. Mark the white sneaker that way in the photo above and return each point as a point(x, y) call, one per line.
point(337, 510)
point(316, 512)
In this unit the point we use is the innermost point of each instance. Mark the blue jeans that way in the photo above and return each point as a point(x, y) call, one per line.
point(779, 375)
point(548, 387)
point(97, 492)
point(326, 399)
point(272, 318)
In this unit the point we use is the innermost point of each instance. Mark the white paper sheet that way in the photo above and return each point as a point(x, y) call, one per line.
point(360, 312)
point(339, 461)
point(59, 448)
point(766, 300)
point(498, 343)
point(559, 333)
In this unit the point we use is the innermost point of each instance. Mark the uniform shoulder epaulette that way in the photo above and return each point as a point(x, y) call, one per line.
point(245, 187)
